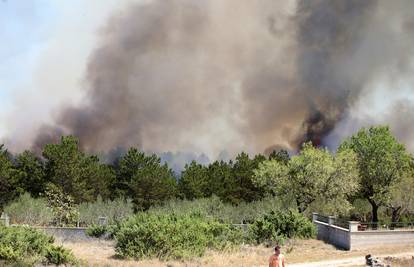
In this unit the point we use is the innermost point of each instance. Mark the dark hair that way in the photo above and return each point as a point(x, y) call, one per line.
point(277, 247)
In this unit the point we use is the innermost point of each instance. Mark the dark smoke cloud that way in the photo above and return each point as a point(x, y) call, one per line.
point(166, 75)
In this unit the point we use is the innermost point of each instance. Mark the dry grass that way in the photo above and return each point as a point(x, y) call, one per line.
point(101, 253)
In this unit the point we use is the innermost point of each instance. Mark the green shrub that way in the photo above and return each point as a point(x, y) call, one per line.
point(114, 210)
point(59, 255)
point(96, 230)
point(63, 206)
point(215, 208)
point(28, 210)
point(25, 245)
point(276, 226)
point(21, 242)
point(171, 236)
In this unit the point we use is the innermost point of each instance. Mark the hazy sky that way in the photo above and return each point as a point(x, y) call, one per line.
point(46, 45)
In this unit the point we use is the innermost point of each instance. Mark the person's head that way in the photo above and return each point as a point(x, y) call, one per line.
point(277, 249)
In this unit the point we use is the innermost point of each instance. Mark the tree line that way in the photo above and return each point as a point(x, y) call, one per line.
point(370, 165)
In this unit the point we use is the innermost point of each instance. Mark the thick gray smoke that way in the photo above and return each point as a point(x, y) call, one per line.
point(187, 75)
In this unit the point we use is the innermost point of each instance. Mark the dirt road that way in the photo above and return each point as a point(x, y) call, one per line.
point(314, 252)
point(349, 261)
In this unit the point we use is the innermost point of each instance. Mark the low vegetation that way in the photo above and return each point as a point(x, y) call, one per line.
point(279, 226)
point(28, 210)
point(172, 236)
point(112, 210)
point(27, 246)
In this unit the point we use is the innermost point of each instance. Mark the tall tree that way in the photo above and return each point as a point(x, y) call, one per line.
point(148, 181)
point(401, 201)
point(194, 181)
point(7, 175)
point(77, 174)
point(243, 172)
point(220, 180)
point(32, 177)
point(313, 174)
point(382, 162)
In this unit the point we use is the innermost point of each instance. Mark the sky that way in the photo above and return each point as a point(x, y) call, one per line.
point(46, 44)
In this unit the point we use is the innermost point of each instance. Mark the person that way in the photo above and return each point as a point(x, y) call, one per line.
point(277, 259)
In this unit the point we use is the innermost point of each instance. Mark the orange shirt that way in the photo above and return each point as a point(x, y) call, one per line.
point(277, 261)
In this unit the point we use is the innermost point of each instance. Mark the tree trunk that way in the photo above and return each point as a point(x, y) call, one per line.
point(395, 216)
point(374, 213)
point(301, 209)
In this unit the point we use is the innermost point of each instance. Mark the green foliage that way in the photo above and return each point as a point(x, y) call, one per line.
point(361, 210)
point(401, 202)
point(114, 210)
point(278, 225)
point(28, 210)
point(28, 246)
point(194, 181)
point(244, 189)
point(313, 175)
point(213, 207)
point(77, 174)
point(146, 180)
point(220, 180)
point(59, 255)
point(171, 236)
point(63, 207)
point(96, 230)
point(7, 177)
point(382, 162)
point(32, 177)
point(232, 181)
point(281, 156)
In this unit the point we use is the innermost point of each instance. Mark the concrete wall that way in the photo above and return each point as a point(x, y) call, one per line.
point(334, 235)
point(66, 233)
point(353, 239)
point(364, 239)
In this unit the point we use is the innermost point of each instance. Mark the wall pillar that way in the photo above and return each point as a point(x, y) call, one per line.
point(5, 219)
point(314, 216)
point(331, 220)
point(353, 226)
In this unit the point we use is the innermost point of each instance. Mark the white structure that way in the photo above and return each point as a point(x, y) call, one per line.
point(350, 235)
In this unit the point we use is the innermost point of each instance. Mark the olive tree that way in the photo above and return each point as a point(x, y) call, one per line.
point(382, 163)
point(312, 175)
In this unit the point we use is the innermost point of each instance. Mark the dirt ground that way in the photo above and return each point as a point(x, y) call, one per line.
point(101, 253)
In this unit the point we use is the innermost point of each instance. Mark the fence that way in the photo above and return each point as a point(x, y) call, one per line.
point(353, 235)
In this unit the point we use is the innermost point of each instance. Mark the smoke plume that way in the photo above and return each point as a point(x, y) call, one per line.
point(172, 75)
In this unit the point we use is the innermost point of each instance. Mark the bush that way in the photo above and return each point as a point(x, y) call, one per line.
point(96, 230)
point(27, 245)
point(18, 243)
point(171, 236)
point(114, 210)
point(214, 207)
point(276, 226)
point(59, 255)
point(28, 210)
point(62, 205)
